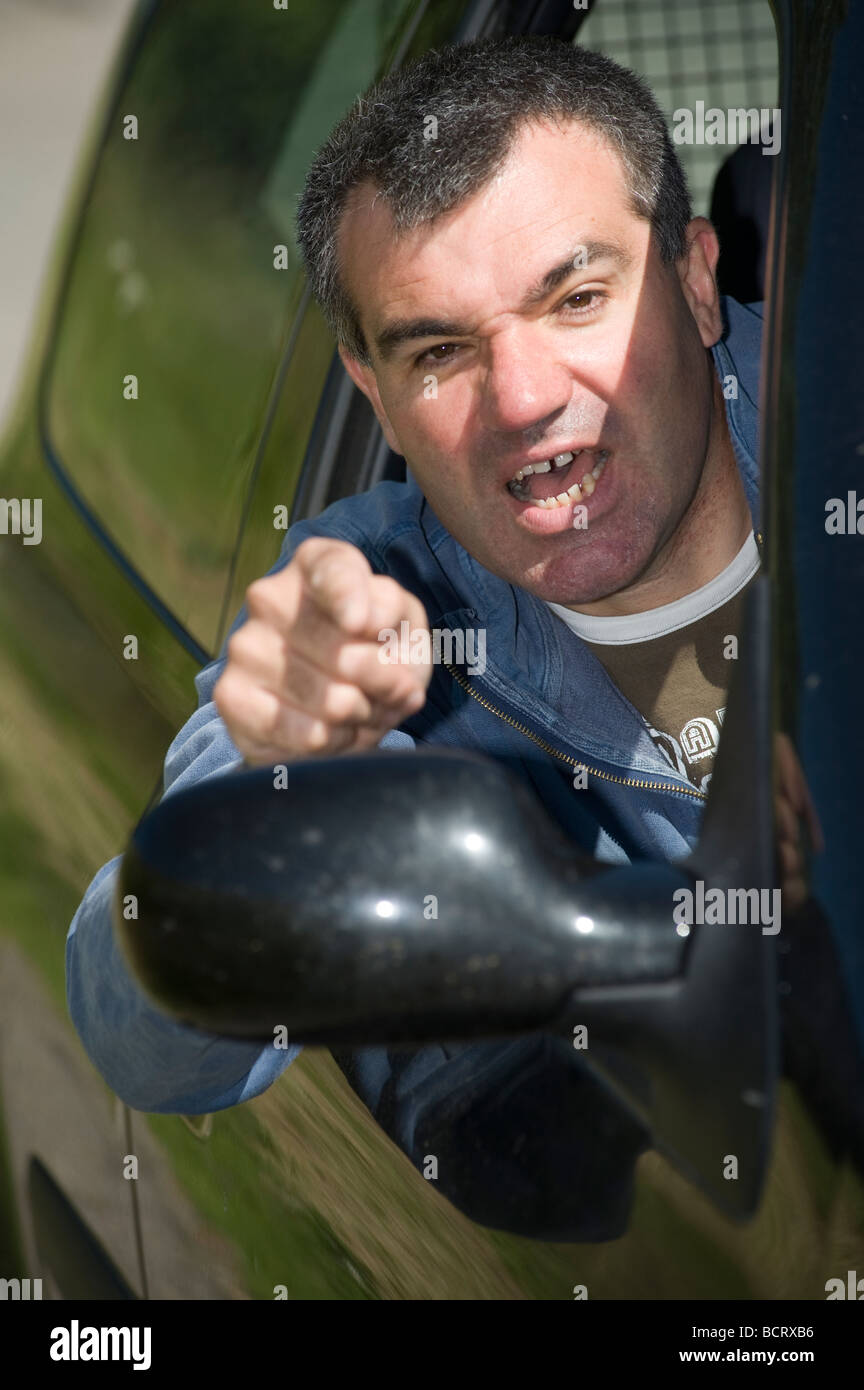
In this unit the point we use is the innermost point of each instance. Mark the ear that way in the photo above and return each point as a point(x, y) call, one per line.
point(364, 378)
point(698, 283)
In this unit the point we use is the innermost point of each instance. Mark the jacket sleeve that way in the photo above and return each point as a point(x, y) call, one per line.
point(521, 1136)
point(152, 1062)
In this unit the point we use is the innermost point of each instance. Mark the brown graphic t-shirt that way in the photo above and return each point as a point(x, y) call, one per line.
point(673, 663)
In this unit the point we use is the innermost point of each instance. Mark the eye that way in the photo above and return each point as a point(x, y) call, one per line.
point(591, 302)
point(426, 355)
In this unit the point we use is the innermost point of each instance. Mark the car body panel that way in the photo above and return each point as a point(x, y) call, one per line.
point(297, 1193)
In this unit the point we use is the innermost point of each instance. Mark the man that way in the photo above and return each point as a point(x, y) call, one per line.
point(518, 287)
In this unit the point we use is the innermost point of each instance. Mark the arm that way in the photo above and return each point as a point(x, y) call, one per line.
point(152, 1062)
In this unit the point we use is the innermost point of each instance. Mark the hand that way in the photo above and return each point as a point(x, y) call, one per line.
point(305, 675)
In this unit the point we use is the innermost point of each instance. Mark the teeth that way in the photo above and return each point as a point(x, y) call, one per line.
point(577, 490)
point(559, 461)
point(600, 464)
point(574, 493)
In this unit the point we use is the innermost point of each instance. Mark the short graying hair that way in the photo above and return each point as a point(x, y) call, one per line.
point(481, 94)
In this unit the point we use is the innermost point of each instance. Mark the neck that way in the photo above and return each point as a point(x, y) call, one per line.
point(706, 540)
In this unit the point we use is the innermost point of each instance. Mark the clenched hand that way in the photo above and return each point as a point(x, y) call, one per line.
point(304, 675)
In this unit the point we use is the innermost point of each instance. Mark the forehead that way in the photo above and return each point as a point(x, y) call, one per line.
point(558, 182)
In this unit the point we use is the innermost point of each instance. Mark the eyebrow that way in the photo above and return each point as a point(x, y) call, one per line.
point(401, 331)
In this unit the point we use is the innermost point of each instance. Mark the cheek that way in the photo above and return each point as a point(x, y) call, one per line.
point(667, 396)
point(432, 425)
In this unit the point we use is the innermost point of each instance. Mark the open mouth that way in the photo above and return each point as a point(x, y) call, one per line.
point(559, 481)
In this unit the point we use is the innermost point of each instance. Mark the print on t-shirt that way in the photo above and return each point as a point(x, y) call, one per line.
point(692, 753)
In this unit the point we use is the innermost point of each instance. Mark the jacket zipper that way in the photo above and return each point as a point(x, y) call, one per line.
point(565, 757)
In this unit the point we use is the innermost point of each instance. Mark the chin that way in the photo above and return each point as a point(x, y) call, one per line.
point(586, 581)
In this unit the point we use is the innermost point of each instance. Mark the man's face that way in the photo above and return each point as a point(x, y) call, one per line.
point(479, 368)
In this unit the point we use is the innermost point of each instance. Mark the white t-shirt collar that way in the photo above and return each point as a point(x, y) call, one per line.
point(657, 622)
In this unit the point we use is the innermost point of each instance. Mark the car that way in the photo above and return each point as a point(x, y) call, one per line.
point(184, 405)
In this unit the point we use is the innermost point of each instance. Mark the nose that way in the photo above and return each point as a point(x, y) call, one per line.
point(524, 384)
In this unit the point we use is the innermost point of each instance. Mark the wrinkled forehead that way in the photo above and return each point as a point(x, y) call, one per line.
point(554, 174)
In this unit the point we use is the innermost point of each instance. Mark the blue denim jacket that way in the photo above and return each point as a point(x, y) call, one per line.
point(527, 1138)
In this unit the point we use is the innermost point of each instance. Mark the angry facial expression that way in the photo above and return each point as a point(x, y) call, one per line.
point(534, 330)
